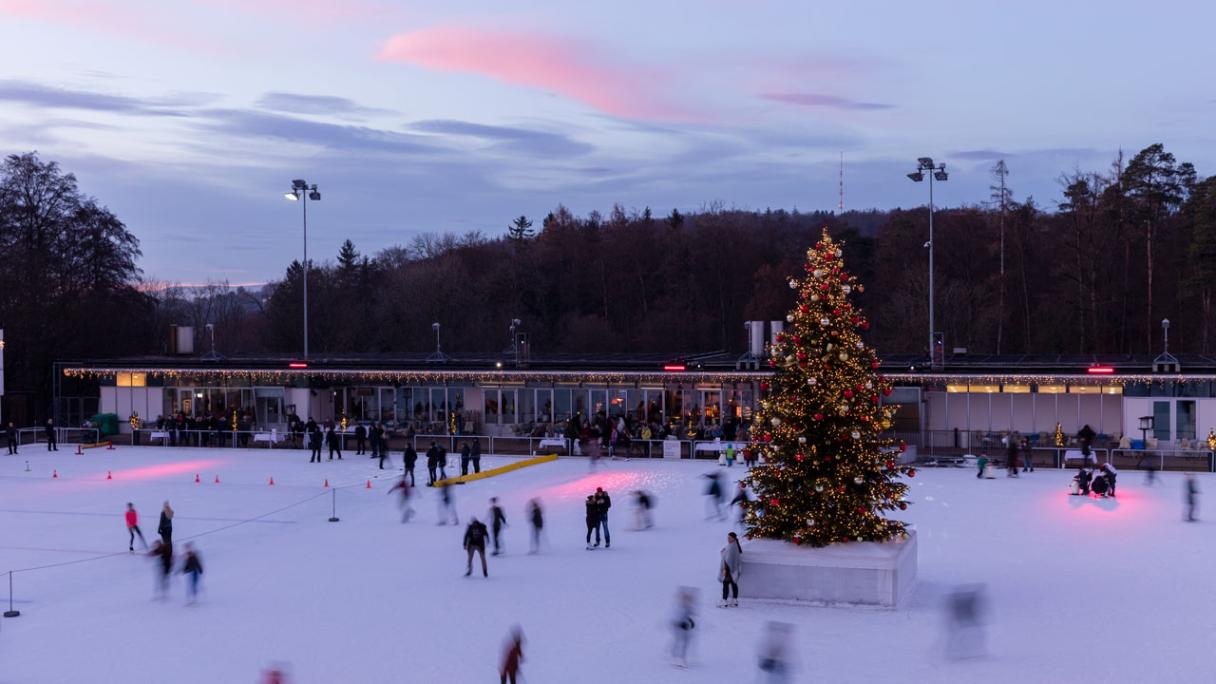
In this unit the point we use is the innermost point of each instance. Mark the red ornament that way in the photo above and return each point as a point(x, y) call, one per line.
point(911, 472)
point(764, 387)
point(774, 502)
point(865, 325)
point(802, 355)
point(799, 457)
point(818, 416)
point(798, 540)
point(772, 362)
point(903, 446)
point(848, 394)
point(804, 308)
point(844, 277)
point(874, 364)
point(861, 509)
point(797, 340)
point(886, 391)
point(827, 256)
point(824, 287)
point(890, 465)
point(874, 399)
point(836, 312)
point(903, 506)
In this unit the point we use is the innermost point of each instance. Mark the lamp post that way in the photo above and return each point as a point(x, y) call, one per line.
point(301, 191)
point(935, 172)
point(515, 323)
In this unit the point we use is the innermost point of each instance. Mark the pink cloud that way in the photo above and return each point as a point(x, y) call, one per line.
point(563, 66)
point(109, 18)
point(317, 11)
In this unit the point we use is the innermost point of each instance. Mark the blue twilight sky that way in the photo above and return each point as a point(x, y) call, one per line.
point(190, 117)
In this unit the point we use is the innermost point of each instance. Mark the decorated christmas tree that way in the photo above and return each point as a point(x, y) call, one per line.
point(829, 475)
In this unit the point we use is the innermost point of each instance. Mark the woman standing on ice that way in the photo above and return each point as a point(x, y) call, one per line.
point(132, 519)
point(729, 570)
point(165, 528)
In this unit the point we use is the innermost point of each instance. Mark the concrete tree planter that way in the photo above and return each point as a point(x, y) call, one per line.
point(853, 574)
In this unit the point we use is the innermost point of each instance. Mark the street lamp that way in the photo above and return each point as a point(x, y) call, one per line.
point(301, 191)
point(938, 173)
point(515, 323)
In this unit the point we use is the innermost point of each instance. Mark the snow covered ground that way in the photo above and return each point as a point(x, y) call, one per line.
point(1111, 591)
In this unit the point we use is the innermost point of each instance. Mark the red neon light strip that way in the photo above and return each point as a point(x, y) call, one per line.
point(1100, 370)
point(297, 364)
point(674, 367)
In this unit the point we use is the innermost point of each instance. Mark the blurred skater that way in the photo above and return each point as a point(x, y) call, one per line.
point(593, 521)
point(411, 459)
point(729, 570)
point(447, 505)
point(537, 518)
point(603, 502)
point(642, 519)
point(512, 656)
point(52, 443)
point(192, 567)
point(714, 501)
point(406, 511)
point(442, 460)
point(476, 456)
point(475, 542)
point(381, 449)
point(132, 519)
point(1190, 487)
point(498, 520)
point(964, 615)
point(165, 528)
point(360, 439)
point(742, 500)
point(682, 624)
point(776, 654)
point(162, 553)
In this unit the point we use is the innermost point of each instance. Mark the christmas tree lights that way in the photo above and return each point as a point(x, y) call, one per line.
point(829, 475)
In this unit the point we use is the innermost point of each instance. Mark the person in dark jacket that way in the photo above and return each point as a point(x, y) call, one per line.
point(314, 444)
point(165, 528)
point(1086, 435)
point(334, 443)
point(1011, 455)
point(498, 520)
point(192, 567)
point(163, 553)
point(593, 521)
point(475, 542)
point(432, 464)
point(361, 440)
point(1027, 456)
point(10, 435)
point(411, 458)
point(1083, 480)
point(465, 456)
point(1191, 488)
point(603, 502)
point(537, 517)
point(442, 460)
point(52, 444)
point(1111, 474)
point(376, 437)
point(476, 456)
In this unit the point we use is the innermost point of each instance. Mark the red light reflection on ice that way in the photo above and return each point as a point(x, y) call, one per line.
point(156, 472)
point(613, 481)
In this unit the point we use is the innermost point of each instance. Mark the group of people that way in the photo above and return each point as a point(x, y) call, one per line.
point(597, 505)
point(1100, 481)
point(207, 430)
point(162, 552)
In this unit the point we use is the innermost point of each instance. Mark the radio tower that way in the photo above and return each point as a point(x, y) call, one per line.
point(840, 204)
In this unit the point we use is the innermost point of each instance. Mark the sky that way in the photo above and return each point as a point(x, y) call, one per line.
point(189, 118)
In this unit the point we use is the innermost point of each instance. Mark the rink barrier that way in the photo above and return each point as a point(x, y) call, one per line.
point(498, 471)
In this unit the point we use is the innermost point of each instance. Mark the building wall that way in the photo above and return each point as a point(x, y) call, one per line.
point(149, 402)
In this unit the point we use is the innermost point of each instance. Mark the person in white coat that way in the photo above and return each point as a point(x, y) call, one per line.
point(729, 569)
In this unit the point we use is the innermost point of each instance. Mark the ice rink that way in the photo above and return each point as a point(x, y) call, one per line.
point(1080, 589)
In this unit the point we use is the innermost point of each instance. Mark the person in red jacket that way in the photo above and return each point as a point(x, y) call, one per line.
point(133, 528)
point(513, 656)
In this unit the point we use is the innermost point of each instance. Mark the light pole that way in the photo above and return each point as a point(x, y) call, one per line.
point(938, 173)
point(515, 323)
point(301, 191)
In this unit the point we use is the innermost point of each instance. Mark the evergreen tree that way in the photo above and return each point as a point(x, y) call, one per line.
point(520, 229)
point(829, 477)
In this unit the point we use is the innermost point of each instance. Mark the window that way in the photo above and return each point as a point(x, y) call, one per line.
point(980, 389)
point(507, 412)
point(1161, 420)
point(1015, 389)
point(132, 380)
point(563, 405)
point(1112, 389)
point(1084, 389)
point(1185, 427)
point(1052, 389)
point(491, 407)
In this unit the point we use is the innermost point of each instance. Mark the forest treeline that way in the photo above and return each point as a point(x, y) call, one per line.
point(1093, 269)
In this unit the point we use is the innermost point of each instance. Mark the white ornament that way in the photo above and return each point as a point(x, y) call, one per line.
point(847, 289)
point(858, 480)
point(810, 522)
point(818, 273)
point(829, 346)
point(869, 384)
point(814, 298)
point(802, 439)
point(861, 345)
point(819, 488)
point(839, 253)
point(793, 284)
point(856, 434)
point(789, 318)
point(775, 422)
point(844, 356)
point(811, 381)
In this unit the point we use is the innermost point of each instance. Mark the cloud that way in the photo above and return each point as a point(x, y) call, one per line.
point(519, 140)
point(313, 104)
point(980, 155)
point(821, 100)
point(35, 95)
point(563, 66)
point(314, 11)
point(364, 139)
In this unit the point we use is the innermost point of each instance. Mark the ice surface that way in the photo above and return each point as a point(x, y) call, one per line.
point(1111, 591)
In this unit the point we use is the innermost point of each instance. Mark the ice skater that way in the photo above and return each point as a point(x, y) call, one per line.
point(593, 521)
point(333, 442)
point(476, 456)
point(132, 519)
point(1111, 475)
point(537, 518)
point(163, 554)
point(714, 493)
point(642, 504)
point(314, 444)
point(603, 502)
point(742, 500)
point(360, 439)
point(729, 570)
point(512, 656)
point(411, 459)
point(52, 443)
point(447, 507)
point(379, 447)
point(498, 520)
point(407, 512)
point(1190, 487)
point(475, 542)
point(432, 464)
point(1027, 456)
point(776, 654)
point(465, 457)
point(441, 459)
point(192, 568)
point(1011, 455)
point(683, 622)
point(964, 612)
point(10, 435)
point(165, 528)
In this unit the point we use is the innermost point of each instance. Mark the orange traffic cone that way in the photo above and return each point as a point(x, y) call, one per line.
point(54, 474)
point(109, 446)
point(109, 476)
point(196, 480)
point(217, 479)
point(271, 480)
point(79, 451)
point(369, 484)
point(326, 485)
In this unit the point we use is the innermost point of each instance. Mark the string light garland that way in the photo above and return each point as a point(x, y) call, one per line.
point(829, 476)
point(286, 376)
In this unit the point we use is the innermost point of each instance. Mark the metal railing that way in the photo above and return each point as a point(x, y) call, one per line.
point(63, 435)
